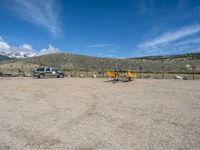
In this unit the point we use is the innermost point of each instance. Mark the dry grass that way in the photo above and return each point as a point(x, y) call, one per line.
point(75, 113)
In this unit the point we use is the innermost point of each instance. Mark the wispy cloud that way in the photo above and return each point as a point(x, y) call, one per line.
point(171, 36)
point(101, 45)
point(182, 40)
point(44, 13)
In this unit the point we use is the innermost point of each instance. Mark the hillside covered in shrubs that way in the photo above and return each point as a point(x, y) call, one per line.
point(68, 61)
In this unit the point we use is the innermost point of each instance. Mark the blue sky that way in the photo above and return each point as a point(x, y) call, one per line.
point(104, 28)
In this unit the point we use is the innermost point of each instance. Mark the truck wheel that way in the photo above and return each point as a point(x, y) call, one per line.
point(61, 75)
point(41, 76)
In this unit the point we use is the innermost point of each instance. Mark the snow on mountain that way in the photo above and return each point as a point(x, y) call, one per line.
point(23, 51)
point(18, 54)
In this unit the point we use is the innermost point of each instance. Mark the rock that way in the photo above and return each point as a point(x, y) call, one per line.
point(185, 78)
point(82, 76)
point(178, 77)
point(187, 66)
point(28, 75)
point(94, 75)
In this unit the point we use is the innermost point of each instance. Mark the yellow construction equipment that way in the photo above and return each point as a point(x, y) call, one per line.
point(111, 74)
point(131, 74)
point(117, 75)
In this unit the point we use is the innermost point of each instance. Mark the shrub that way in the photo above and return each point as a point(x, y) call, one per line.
point(185, 78)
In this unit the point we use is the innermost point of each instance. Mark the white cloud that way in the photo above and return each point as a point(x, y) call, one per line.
point(101, 45)
point(171, 36)
point(183, 40)
point(26, 46)
point(3, 44)
point(44, 13)
point(49, 50)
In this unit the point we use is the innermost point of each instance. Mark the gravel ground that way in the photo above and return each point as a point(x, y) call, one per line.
point(75, 113)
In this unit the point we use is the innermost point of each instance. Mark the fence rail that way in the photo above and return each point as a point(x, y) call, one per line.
point(163, 73)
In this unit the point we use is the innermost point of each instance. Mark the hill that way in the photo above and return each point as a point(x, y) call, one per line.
point(68, 61)
point(3, 58)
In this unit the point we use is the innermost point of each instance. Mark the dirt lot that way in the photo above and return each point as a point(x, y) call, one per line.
point(74, 113)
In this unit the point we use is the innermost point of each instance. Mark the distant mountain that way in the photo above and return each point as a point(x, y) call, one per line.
point(3, 58)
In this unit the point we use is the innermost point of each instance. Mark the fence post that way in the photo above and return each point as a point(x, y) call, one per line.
point(74, 72)
point(140, 68)
point(193, 70)
point(163, 72)
point(87, 70)
point(102, 71)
